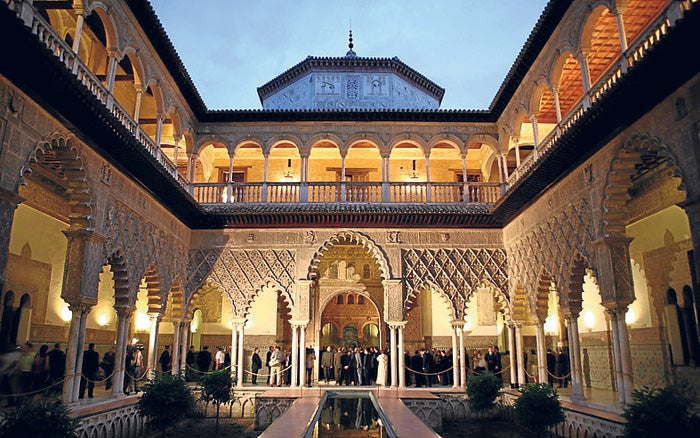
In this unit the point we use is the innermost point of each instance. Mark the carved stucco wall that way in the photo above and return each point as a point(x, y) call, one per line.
point(241, 273)
point(455, 272)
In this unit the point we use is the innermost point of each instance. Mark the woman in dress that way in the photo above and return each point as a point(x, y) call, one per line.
point(382, 366)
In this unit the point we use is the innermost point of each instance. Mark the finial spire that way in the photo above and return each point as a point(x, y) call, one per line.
point(350, 53)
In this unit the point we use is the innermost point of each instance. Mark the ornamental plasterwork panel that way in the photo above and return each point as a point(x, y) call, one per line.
point(456, 272)
point(241, 273)
point(552, 246)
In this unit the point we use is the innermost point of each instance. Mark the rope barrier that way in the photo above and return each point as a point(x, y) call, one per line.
point(36, 391)
point(428, 374)
point(265, 374)
point(206, 372)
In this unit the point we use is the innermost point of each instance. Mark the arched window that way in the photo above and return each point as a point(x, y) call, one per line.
point(339, 299)
point(360, 299)
point(351, 299)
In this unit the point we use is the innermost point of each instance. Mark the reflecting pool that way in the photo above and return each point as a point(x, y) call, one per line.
point(349, 415)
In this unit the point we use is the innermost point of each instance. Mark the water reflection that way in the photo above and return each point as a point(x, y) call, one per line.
point(349, 416)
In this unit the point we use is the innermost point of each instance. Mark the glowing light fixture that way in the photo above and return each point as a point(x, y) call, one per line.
point(103, 320)
point(551, 325)
point(630, 317)
point(288, 175)
point(142, 322)
point(589, 320)
point(66, 314)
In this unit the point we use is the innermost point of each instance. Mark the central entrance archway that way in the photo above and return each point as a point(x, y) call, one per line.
point(350, 319)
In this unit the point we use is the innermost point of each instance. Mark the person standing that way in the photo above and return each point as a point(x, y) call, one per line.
point(268, 356)
point(189, 361)
point(164, 360)
point(108, 366)
point(338, 365)
point(275, 364)
point(562, 369)
point(327, 363)
point(40, 369)
point(219, 359)
point(204, 360)
point(382, 367)
point(310, 359)
point(128, 368)
point(138, 369)
point(91, 361)
point(255, 365)
point(57, 366)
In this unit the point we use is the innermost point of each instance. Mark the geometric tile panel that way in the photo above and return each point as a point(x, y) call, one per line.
point(457, 272)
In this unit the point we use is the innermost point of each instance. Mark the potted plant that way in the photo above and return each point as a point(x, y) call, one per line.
point(46, 417)
point(661, 411)
point(165, 401)
point(538, 408)
point(216, 388)
point(482, 391)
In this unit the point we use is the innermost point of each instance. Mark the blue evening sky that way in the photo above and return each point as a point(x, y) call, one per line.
point(231, 47)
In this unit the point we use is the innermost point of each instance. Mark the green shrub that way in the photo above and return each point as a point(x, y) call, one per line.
point(538, 408)
point(216, 388)
point(165, 401)
point(661, 411)
point(46, 418)
point(482, 391)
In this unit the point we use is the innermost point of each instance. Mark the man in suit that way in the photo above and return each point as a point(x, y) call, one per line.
point(255, 365)
point(91, 363)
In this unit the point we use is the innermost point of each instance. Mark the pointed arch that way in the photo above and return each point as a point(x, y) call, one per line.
point(541, 296)
point(500, 296)
point(267, 283)
point(638, 149)
point(430, 286)
point(62, 155)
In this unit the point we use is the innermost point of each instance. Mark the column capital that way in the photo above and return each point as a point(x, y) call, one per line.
point(299, 322)
point(124, 311)
point(617, 307)
point(396, 324)
point(81, 305)
point(612, 239)
point(457, 323)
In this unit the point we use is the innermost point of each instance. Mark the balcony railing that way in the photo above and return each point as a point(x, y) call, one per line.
point(43, 30)
point(348, 192)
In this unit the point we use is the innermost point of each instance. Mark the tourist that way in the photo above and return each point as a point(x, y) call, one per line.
point(40, 369)
point(275, 365)
point(91, 361)
point(551, 367)
point(310, 359)
point(204, 360)
point(107, 366)
point(327, 363)
point(165, 359)
point(219, 359)
point(562, 368)
point(493, 362)
point(189, 362)
point(337, 364)
point(57, 366)
point(255, 365)
point(382, 367)
point(128, 368)
point(268, 355)
point(138, 369)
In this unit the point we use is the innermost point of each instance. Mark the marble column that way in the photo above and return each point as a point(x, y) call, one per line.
point(295, 355)
point(185, 340)
point(463, 360)
point(74, 351)
point(400, 355)
point(175, 354)
point(241, 355)
point(302, 352)
point(575, 357)
point(234, 354)
point(153, 345)
point(123, 324)
point(514, 357)
point(457, 329)
point(585, 77)
point(541, 353)
point(518, 329)
point(393, 356)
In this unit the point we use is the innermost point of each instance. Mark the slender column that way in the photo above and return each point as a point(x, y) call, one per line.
point(692, 210)
point(557, 107)
point(400, 356)
point(265, 176)
point(516, 139)
point(514, 354)
point(153, 345)
point(619, 10)
point(619, 379)
point(74, 351)
point(241, 355)
point(427, 169)
point(541, 353)
point(585, 77)
point(175, 354)
point(190, 167)
point(137, 104)
point(457, 326)
point(625, 355)
point(234, 355)
point(79, 20)
point(393, 356)
point(575, 358)
point(302, 353)
point(505, 167)
point(185, 336)
point(295, 356)
point(518, 328)
point(176, 141)
point(159, 129)
point(123, 323)
point(343, 189)
point(462, 361)
point(111, 69)
point(535, 131)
